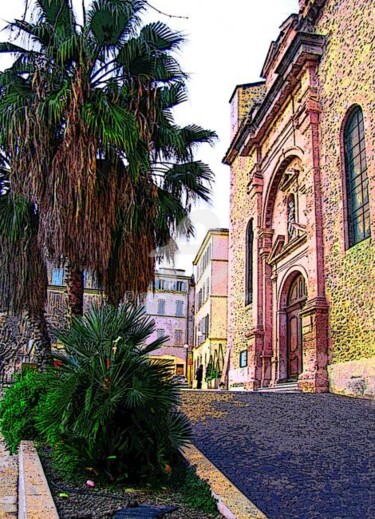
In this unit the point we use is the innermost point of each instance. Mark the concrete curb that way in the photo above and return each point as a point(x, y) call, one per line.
point(34, 496)
point(231, 502)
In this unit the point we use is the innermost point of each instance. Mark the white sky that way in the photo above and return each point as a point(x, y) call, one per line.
point(227, 45)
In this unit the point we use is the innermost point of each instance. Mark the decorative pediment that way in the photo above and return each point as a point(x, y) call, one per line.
point(279, 251)
point(305, 48)
point(276, 248)
point(274, 49)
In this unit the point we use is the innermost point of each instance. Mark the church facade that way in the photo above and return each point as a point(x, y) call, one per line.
point(302, 225)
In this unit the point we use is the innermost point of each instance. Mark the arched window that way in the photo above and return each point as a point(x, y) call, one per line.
point(358, 207)
point(249, 262)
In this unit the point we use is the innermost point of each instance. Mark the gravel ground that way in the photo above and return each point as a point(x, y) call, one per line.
point(87, 504)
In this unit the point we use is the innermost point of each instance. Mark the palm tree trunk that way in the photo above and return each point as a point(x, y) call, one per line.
point(75, 287)
point(41, 339)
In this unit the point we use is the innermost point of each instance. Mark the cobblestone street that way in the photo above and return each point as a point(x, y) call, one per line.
point(294, 455)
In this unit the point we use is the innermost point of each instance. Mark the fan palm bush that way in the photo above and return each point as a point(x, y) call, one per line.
point(111, 409)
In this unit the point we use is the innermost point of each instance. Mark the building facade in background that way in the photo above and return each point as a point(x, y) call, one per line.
point(170, 307)
point(169, 303)
point(302, 227)
point(211, 306)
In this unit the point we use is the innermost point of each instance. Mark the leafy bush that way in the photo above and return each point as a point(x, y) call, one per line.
point(196, 492)
point(112, 409)
point(18, 409)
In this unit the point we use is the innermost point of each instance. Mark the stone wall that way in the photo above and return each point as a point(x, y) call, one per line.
point(240, 317)
point(241, 102)
point(14, 344)
point(347, 77)
point(353, 378)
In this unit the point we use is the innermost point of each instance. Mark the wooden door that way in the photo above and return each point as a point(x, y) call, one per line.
point(294, 351)
point(296, 300)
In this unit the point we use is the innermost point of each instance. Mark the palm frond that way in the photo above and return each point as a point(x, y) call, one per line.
point(160, 38)
point(11, 48)
point(110, 21)
point(58, 13)
point(192, 179)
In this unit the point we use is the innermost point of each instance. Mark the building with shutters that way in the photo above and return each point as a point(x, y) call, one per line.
point(211, 306)
point(302, 222)
point(170, 303)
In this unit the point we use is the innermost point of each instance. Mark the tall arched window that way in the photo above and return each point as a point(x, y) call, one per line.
point(249, 262)
point(358, 207)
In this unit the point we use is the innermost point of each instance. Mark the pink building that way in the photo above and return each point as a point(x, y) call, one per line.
point(170, 305)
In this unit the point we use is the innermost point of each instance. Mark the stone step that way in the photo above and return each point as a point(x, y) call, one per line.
point(8, 483)
point(285, 387)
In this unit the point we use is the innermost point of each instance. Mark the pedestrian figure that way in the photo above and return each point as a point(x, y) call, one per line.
point(199, 376)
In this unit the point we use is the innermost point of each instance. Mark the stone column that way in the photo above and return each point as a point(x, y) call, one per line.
point(267, 305)
point(314, 316)
point(256, 338)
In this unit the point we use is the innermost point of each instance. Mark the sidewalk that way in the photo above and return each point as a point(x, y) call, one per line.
point(8, 483)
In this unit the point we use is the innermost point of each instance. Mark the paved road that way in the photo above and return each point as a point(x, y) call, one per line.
point(293, 455)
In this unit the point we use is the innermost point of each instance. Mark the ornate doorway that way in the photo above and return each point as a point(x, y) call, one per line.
point(296, 300)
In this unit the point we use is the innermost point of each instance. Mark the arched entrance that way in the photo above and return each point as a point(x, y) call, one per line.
point(296, 299)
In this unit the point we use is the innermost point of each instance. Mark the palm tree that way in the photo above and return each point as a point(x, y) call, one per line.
point(23, 273)
point(86, 116)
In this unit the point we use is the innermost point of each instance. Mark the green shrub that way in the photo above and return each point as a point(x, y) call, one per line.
point(197, 493)
point(18, 409)
point(112, 409)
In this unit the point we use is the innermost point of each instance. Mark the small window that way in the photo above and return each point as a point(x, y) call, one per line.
point(199, 299)
point(161, 307)
point(160, 332)
point(178, 337)
point(357, 189)
point(57, 276)
point(243, 359)
point(179, 308)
